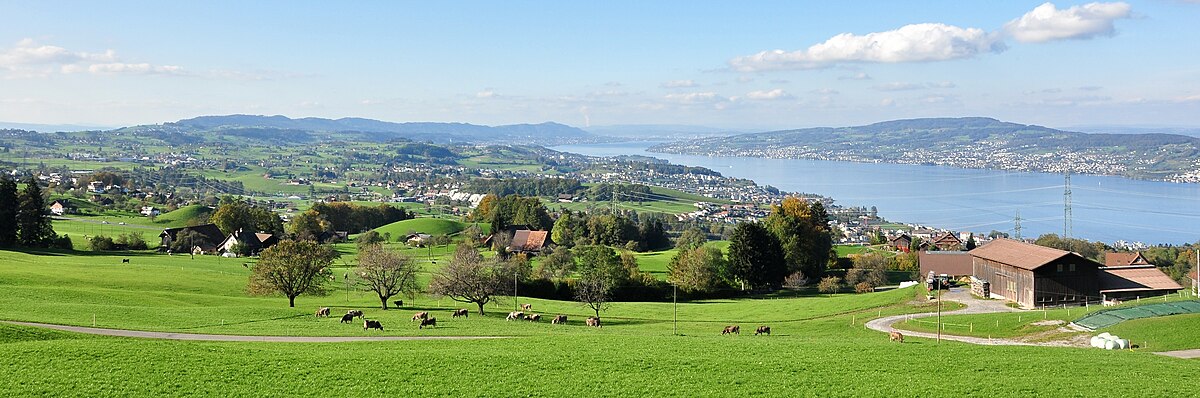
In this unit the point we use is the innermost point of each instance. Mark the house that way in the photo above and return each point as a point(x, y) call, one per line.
point(149, 211)
point(60, 207)
point(901, 242)
point(255, 242)
point(212, 236)
point(1033, 275)
point(947, 241)
point(418, 239)
point(952, 263)
point(565, 198)
point(527, 242)
point(1134, 282)
point(1124, 259)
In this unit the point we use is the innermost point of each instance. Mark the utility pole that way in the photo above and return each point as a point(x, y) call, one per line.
point(1017, 227)
point(939, 322)
point(1067, 227)
point(675, 303)
point(514, 290)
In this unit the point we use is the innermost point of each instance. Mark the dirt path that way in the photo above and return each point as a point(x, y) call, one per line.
point(974, 306)
point(1185, 354)
point(222, 337)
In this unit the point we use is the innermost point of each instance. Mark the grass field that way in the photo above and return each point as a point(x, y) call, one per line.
point(819, 346)
point(432, 226)
point(1168, 333)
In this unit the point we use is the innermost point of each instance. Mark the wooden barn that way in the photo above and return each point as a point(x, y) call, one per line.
point(952, 263)
point(1033, 275)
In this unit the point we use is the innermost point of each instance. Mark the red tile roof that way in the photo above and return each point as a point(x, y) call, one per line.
point(1022, 255)
point(1135, 278)
point(527, 241)
point(1121, 259)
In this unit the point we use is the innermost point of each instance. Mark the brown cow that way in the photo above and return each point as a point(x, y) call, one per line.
point(515, 315)
point(533, 317)
point(431, 322)
point(526, 307)
point(420, 316)
point(372, 324)
point(896, 336)
point(459, 312)
point(734, 329)
point(322, 312)
point(559, 319)
point(593, 321)
point(763, 330)
point(354, 313)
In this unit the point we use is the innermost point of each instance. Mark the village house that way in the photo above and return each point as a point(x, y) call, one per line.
point(947, 241)
point(61, 207)
point(212, 237)
point(253, 241)
point(527, 242)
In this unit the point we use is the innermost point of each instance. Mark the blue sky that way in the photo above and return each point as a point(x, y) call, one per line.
point(603, 63)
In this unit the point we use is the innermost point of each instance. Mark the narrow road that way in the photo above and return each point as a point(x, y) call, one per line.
point(222, 337)
point(974, 306)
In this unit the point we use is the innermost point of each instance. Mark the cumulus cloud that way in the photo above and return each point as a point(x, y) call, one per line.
point(911, 43)
point(775, 94)
point(28, 58)
point(679, 84)
point(1048, 23)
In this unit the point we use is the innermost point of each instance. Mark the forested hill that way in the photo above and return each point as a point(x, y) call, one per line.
point(973, 142)
point(274, 128)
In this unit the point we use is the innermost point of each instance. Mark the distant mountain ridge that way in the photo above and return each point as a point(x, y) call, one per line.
point(970, 142)
point(312, 128)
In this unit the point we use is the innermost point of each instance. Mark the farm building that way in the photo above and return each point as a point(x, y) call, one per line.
point(901, 242)
point(952, 263)
point(1135, 281)
point(255, 242)
point(1033, 275)
point(948, 241)
point(528, 242)
point(60, 207)
point(212, 237)
point(1124, 259)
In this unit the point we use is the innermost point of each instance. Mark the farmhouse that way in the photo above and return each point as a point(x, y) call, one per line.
point(1124, 259)
point(212, 237)
point(527, 242)
point(60, 207)
point(948, 241)
point(952, 263)
point(254, 242)
point(901, 242)
point(1033, 275)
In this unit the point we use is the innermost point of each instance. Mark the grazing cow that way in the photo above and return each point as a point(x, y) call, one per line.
point(372, 324)
point(124, 261)
point(420, 316)
point(354, 313)
point(534, 317)
point(347, 318)
point(763, 330)
point(559, 319)
point(460, 312)
point(398, 303)
point(896, 336)
point(526, 307)
point(734, 329)
point(322, 312)
point(515, 315)
point(593, 321)
point(431, 322)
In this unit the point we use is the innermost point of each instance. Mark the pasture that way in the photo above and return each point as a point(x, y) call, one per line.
point(819, 346)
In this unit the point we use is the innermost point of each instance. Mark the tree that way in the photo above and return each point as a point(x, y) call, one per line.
point(563, 233)
point(9, 203)
point(970, 245)
point(557, 265)
point(386, 272)
point(691, 238)
point(187, 239)
point(292, 268)
point(33, 219)
point(593, 290)
point(469, 278)
point(602, 261)
point(696, 269)
point(829, 285)
point(309, 225)
point(803, 232)
point(234, 213)
point(755, 258)
point(367, 239)
point(869, 270)
point(653, 234)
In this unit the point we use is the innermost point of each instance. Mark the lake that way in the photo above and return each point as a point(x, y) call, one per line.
point(1104, 208)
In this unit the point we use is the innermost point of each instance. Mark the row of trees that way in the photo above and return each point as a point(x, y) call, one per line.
point(524, 186)
point(577, 229)
point(24, 219)
point(323, 218)
point(510, 210)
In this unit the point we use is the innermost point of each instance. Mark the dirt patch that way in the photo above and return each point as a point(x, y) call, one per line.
point(1052, 322)
point(1058, 337)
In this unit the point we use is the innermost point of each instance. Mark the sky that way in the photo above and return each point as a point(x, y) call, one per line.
point(735, 65)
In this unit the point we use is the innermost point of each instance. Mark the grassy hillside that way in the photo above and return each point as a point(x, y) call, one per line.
point(182, 216)
point(432, 226)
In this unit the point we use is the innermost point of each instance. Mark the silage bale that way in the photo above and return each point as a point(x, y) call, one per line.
point(1098, 342)
point(1110, 345)
point(1123, 343)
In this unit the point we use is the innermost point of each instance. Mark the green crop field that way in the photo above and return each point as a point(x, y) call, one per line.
point(819, 346)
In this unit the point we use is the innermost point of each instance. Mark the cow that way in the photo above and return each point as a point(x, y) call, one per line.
point(355, 313)
point(420, 316)
point(763, 330)
point(593, 321)
point(896, 336)
point(526, 307)
point(322, 312)
point(460, 312)
point(732, 329)
point(559, 319)
point(534, 317)
point(431, 322)
point(124, 261)
point(398, 303)
point(515, 315)
point(347, 318)
point(372, 324)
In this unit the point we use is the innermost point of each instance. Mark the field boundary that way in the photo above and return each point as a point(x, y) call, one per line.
point(239, 338)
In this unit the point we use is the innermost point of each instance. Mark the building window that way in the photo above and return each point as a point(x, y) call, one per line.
point(1060, 268)
point(1072, 267)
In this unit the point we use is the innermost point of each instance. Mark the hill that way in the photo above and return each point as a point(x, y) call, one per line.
point(972, 142)
point(432, 226)
point(183, 216)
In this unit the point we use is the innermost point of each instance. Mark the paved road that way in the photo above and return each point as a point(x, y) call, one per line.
point(222, 337)
point(1185, 354)
point(974, 306)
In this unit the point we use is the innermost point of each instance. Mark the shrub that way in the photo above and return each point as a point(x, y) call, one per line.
point(795, 280)
point(829, 285)
point(863, 287)
point(100, 243)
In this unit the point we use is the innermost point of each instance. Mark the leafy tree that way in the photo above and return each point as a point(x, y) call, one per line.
point(292, 268)
point(594, 290)
point(602, 261)
point(367, 239)
point(564, 231)
point(309, 225)
point(187, 239)
point(9, 205)
point(100, 243)
point(469, 278)
point(691, 238)
point(386, 272)
point(653, 234)
point(557, 265)
point(803, 232)
point(829, 285)
point(235, 213)
point(697, 269)
point(869, 269)
point(33, 219)
point(132, 241)
point(755, 257)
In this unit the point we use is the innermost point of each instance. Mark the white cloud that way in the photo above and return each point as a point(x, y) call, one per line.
point(679, 84)
point(775, 94)
point(825, 91)
point(856, 76)
point(694, 98)
point(905, 86)
point(486, 94)
point(1048, 23)
point(910, 43)
point(28, 58)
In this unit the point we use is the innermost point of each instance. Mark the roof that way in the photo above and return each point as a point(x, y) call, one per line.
point(902, 236)
point(210, 231)
point(948, 236)
point(1120, 259)
point(945, 262)
point(527, 241)
point(1135, 278)
point(1019, 254)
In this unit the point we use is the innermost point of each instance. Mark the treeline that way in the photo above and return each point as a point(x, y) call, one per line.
point(620, 192)
point(524, 186)
point(24, 218)
point(325, 218)
point(581, 229)
point(511, 210)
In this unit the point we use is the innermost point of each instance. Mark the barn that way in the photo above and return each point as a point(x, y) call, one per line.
point(952, 263)
point(1033, 275)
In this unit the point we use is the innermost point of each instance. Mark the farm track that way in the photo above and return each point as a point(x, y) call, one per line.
point(239, 338)
point(974, 306)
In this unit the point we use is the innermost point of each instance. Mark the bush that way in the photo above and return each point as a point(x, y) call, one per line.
point(795, 280)
point(100, 243)
point(62, 242)
point(830, 285)
point(863, 287)
point(132, 241)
